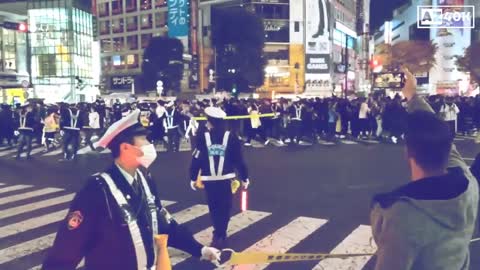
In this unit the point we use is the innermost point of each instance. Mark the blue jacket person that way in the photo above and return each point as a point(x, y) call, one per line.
point(218, 155)
point(113, 219)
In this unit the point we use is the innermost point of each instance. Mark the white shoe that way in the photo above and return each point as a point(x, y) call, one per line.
point(394, 140)
point(247, 144)
point(287, 141)
point(281, 143)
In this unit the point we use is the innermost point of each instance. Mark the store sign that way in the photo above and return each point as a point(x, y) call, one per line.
point(317, 63)
point(271, 26)
point(122, 82)
point(178, 18)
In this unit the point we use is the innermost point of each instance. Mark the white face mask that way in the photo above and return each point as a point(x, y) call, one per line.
point(149, 155)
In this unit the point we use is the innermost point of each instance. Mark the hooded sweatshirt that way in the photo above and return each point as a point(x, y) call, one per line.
point(427, 224)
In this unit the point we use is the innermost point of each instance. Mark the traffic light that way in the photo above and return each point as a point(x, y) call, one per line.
point(21, 26)
point(375, 63)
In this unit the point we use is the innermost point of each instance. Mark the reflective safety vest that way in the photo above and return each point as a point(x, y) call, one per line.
point(23, 123)
point(220, 151)
point(169, 120)
point(73, 120)
point(139, 246)
point(298, 113)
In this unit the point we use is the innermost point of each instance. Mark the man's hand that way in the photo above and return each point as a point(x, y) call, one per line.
point(16, 133)
point(211, 254)
point(192, 186)
point(245, 184)
point(410, 88)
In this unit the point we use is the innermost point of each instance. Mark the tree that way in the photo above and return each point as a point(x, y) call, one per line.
point(469, 63)
point(163, 60)
point(238, 37)
point(417, 56)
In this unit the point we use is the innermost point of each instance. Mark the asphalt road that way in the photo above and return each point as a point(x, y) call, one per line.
point(302, 199)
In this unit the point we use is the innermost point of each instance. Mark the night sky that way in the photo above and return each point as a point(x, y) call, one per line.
point(381, 10)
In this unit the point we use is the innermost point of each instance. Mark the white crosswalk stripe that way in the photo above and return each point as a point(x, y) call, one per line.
point(237, 223)
point(32, 194)
point(281, 240)
point(359, 241)
point(13, 188)
point(35, 206)
point(8, 152)
point(55, 152)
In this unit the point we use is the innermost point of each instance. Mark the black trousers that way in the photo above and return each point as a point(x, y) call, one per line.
point(25, 139)
point(49, 138)
point(89, 132)
point(173, 136)
point(219, 199)
point(71, 142)
point(452, 126)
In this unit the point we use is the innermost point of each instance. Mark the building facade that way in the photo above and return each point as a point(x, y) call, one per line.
point(125, 30)
point(60, 40)
point(14, 68)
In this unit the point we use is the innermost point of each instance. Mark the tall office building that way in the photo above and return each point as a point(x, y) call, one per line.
point(60, 40)
point(125, 30)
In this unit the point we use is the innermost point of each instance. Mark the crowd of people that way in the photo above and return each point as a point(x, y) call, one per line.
point(290, 121)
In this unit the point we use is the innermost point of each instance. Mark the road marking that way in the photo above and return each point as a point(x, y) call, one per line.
point(348, 142)
point(282, 240)
point(54, 152)
point(36, 205)
point(359, 241)
point(13, 188)
point(32, 223)
point(28, 195)
point(37, 150)
point(237, 223)
point(190, 213)
point(468, 159)
point(8, 152)
point(26, 248)
point(84, 150)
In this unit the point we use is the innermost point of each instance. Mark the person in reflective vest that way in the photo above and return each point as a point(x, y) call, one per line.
point(113, 221)
point(25, 130)
point(218, 155)
point(171, 124)
point(70, 125)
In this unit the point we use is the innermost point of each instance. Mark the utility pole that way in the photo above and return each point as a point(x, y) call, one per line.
point(346, 67)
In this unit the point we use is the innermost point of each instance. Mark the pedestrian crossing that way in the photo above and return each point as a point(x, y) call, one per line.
point(29, 218)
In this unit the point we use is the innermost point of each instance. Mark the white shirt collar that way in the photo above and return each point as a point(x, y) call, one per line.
point(125, 174)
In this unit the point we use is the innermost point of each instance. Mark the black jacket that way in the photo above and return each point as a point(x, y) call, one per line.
point(233, 156)
point(103, 237)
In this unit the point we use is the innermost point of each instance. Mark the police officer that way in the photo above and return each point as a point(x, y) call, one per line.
point(26, 130)
point(117, 110)
point(112, 221)
point(171, 123)
point(70, 125)
point(218, 155)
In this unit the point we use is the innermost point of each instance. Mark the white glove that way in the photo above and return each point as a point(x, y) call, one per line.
point(211, 254)
point(192, 185)
point(245, 184)
point(16, 133)
point(187, 137)
point(62, 132)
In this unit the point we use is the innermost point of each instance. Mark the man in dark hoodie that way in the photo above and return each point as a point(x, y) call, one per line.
point(428, 223)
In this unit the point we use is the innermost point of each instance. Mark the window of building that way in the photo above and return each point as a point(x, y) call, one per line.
point(146, 4)
point(106, 63)
point(104, 27)
point(296, 27)
point(160, 19)
point(160, 3)
point(146, 40)
point(103, 9)
point(132, 23)
point(117, 7)
point(117, 25)
point(131, 5)
point(268, 11)
point(106, 45)
point(132, 61)
point(119, 44)
point(146, 21)
point(118, 61)
point(132, 42)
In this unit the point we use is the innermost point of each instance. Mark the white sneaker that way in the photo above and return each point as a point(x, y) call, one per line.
point(287, 141)
point(247, 144)
point(394, 140)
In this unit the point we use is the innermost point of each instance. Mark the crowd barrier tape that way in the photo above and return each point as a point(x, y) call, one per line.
point(259, 257)
point(237, 258)
point(236, 117)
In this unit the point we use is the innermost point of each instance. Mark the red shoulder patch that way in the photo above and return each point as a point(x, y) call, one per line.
point(74, 219)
